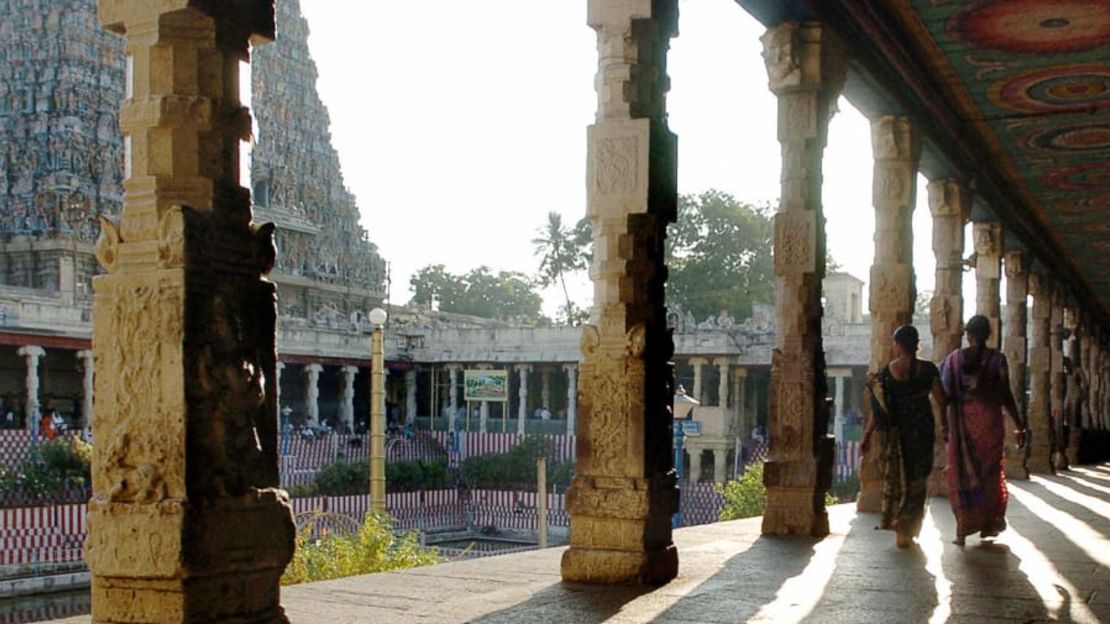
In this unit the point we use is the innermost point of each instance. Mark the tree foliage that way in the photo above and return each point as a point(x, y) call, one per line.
point(562, 250)
point(719, 255)
point(516, 469)
point(505, 295)
point(744, 497)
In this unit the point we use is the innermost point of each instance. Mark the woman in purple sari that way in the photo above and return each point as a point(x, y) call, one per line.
point(976, 380)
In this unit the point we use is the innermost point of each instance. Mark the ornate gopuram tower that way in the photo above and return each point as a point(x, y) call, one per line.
point(61, 151)
point(326, 265)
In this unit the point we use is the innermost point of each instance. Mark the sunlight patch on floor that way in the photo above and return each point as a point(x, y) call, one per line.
point(1096, 505)
point(799, 595)
point(931, 542)
point(1092, 542)
point(1046, 579)
point(1101, 476)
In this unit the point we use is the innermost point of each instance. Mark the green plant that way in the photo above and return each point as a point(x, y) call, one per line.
point(517, 468)
point(53, 466)
point(375, 548)
point(744, 497)
point(343, 478)
point(844, 490)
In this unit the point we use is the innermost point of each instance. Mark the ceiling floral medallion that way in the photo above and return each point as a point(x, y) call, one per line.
point(1082, 138)
point(1033, 26)
point(1061, 89)
point(1089, 176)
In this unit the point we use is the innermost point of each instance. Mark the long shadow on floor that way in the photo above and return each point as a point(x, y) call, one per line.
point(735, 591)
point(1087, 477)
point(1085, 487)
point(875, 581)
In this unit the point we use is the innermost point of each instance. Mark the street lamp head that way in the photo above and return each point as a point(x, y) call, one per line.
point(377, 316)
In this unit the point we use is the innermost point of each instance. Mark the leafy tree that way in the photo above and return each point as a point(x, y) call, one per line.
point(744, 496)
point(562, 249)
point(719, 255)
point(505, 295)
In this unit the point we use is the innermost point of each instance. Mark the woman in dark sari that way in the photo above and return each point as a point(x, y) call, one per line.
point(903, 417)
point(977, 381)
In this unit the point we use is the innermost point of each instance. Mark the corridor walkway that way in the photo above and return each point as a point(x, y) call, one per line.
point(1053, 564)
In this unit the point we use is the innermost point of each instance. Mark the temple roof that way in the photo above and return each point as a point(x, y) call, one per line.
point(1013, 97)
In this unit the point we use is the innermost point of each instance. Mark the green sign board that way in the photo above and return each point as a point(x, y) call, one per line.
point(486, 385)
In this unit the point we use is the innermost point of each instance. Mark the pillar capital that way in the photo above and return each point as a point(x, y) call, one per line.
point(573, 366)
point(523, 368)
point(85, 354)
point(802, 56)
point(697, 361)
point(31, 352)
point(722, 361)
point(313, 369)
point(739, 371)
point(349, 371)
point(949, 198)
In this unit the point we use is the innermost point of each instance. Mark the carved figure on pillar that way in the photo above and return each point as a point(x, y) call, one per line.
point(623, 493)
point(897, 150)
point(806, 71)
point(186, 522)
point(988, 276)
point(1057, 380)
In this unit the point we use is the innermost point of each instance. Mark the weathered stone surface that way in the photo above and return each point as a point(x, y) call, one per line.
point(623, 492)
point(896, 150)
point(805, 71)
point(1038, 412)
point(950, 205)
point(1057, 379)
point(988, 276)
point(1014, 346)
point(186, 521)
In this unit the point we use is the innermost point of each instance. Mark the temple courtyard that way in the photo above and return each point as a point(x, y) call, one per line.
point(1051, 565)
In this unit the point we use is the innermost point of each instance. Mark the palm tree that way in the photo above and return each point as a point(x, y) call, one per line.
point(560, 253)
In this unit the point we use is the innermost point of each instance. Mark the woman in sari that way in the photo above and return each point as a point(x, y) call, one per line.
point(903, 417)
point(977, 381)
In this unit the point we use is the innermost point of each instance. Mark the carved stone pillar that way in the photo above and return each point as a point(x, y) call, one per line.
point(623, 492)
point(88, 369)
point(545, 388)
point(279, 368)
point(698, 364)
point(988, 276)
point(31, 356)
point(410, 396)
point(312, 394)
point(720, 472)
point(453, 395)
point(806, 71)
point(695, 464)
point(896, 150)
point(1057, 379)
point(1017, 291)
point(572, 396)
point(186, 523)
point(742, 425)
point(1097, 374)
point(950, 205)
point(522, 409)
point(1071, 412)
point(1039, 459)
point(347, 406)
point(722, 382)
point(1088, 350)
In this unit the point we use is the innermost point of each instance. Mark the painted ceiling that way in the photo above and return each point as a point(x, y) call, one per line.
point(1031, 78)
point(1013, 94)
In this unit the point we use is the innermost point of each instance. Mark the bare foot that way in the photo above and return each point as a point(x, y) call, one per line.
point(904, 541)
point(959, 541)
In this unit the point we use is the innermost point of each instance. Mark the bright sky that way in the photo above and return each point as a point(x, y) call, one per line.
point(460, 125)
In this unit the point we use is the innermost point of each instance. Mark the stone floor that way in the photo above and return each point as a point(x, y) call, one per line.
point(1053, 564)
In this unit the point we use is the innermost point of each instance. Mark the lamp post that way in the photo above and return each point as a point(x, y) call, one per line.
point(377, 318)
point(684, 404)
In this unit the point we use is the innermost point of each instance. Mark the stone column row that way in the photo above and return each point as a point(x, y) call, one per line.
point(806, 70)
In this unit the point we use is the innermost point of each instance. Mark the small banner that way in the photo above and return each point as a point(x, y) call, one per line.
point(486, 385)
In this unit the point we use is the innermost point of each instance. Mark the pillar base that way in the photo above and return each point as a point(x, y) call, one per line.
point(620, 567)
point(795, 503)
point(219, 560)
point(795, 511)
point(621, 531)
point(1040, 466)
point(1014, 465)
